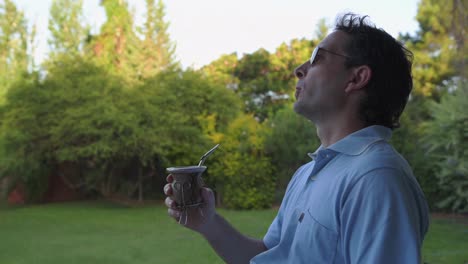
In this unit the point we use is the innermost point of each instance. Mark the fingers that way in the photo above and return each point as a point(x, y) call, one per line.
point(170, 203)
point(174, 213)
point(168, 186)
point(170, 178)
point(168, 189)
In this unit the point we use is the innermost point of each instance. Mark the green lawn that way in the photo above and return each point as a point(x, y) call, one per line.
point(100, 232)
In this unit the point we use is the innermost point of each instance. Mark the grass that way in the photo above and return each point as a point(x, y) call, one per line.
point(446, 241)
point(99, 232)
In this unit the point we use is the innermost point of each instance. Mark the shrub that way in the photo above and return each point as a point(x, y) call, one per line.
point(243, 175)
point(447, 138)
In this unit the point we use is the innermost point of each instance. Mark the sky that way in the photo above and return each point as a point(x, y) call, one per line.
point(203, 30)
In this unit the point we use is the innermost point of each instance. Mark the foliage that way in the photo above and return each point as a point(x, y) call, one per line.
point(157, 52)
point(322, 30)
point(80, 132)
point(407, 139)
point(65, 25)
point(14, 57)
point(439, 49)
point(439, 56)
point(21, 145)
point(291, 138)
point(133, 53)
point(244, 178)
point(265, 81)
point(254, 72)
point(187, 104)
point(107, 132)
point(222, 70)
point(110, 111)
point(116, 47)
point(447, 139)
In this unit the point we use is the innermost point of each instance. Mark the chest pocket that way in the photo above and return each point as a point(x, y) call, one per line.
point(313, 242)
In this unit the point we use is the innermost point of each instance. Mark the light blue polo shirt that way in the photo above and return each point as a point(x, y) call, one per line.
point(357, 201)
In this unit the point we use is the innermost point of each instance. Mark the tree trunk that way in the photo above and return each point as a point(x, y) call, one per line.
point(140, 185)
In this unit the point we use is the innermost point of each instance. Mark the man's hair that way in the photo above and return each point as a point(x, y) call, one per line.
point(390, 62)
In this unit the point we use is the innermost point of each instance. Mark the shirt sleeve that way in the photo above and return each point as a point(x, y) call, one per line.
point(384, 219)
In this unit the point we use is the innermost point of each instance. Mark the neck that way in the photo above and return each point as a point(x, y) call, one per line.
point(333, 130)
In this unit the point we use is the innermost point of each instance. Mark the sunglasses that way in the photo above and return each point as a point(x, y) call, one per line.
point(317, 49)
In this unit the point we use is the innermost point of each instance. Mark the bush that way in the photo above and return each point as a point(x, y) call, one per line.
point(103, 135)
point(408, 140)
point(447, 139)
point(242, 174)
point(292, 137)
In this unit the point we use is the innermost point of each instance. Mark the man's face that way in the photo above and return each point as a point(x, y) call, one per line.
point(320, 90)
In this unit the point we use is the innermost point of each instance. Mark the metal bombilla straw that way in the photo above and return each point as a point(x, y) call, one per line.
point(208, 153)
point(202, 160)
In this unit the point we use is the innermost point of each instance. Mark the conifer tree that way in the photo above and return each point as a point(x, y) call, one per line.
point(158, 51)
point(439, 46)
point(65, 25)
point(116, 46)
point(14, 58)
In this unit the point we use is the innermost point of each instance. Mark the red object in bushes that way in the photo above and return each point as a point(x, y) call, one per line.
point(16, 196)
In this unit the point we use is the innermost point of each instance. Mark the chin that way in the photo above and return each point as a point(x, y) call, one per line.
point(298, 108)
point(303, 110)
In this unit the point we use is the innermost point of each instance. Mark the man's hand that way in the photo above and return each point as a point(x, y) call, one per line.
point(198, 218)
point(228, 243)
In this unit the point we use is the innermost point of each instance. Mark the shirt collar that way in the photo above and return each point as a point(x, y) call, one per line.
point(357, 142)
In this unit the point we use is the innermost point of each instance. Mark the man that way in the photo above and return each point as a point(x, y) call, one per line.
point(357, 201)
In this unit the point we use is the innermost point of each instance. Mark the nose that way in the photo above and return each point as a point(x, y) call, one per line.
point(301, 71)
point(299, 85)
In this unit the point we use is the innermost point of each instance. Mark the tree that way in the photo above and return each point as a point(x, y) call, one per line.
point(439, 54)
point(65, 25)
point(253, 70)
point(157, 50)
point(407, 140)
point(21, 136)
point(117, 45)
point(322, 30)
point(119, 48)
point(439, 49)
point(80, 136)
point(292, 137)
point(243, 175)
point(264, 81)
point(286, 58)
point(447, 138)
point(193, 112)
point(14, 57)
point(222, 70)
point(107, 139)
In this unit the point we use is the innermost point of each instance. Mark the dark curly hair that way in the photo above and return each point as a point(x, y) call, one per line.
point(390, 62)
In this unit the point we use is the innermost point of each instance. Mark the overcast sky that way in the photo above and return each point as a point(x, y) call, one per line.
point(205, 29)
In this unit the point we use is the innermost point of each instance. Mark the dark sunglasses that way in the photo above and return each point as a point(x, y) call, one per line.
point(317, 49)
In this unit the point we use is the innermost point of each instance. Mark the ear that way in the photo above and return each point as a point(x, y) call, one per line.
point(360, 76)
